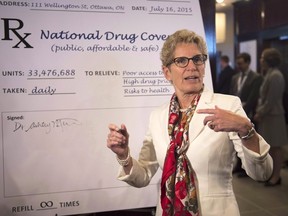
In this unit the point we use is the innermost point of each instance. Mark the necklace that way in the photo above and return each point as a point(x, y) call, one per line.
point(190, 106)
point(185, 109)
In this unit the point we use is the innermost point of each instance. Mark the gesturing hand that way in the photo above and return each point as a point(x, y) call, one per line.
point(224, 120)
point(117, 140)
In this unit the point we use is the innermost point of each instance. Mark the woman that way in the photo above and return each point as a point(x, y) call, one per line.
point(270, 114)
point(196, 154)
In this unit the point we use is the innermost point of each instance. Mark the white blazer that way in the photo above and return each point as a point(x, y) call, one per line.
point(211, 155)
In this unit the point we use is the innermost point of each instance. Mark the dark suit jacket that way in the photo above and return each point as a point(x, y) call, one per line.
point(250, 91)
point(224, 81)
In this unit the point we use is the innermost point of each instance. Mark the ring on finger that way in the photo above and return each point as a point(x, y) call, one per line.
point(212, 126)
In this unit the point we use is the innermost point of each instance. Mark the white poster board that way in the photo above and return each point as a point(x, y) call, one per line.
point(68, 69)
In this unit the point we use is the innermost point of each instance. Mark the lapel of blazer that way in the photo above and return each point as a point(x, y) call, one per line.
point(249, 78)
point(234, 83)
point(197, 121)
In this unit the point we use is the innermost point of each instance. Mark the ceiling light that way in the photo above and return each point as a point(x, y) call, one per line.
point(220, 27)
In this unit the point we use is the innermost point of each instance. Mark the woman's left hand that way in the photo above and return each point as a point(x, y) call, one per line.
point(225, 120)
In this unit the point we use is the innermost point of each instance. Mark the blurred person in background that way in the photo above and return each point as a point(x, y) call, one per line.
point(246, 84)
point(225, 77)
point(270, 114)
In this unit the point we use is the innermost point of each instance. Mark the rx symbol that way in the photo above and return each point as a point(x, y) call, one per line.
point(10, 28)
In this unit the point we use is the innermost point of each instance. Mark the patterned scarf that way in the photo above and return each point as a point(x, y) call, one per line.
point(178, 187)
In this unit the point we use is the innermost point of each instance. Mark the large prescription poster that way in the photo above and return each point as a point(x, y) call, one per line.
point(68, 69)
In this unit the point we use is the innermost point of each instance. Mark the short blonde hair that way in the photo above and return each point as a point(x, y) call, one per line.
point(182, 36)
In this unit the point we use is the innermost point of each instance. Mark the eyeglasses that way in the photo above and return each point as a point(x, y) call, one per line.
point(182, 62)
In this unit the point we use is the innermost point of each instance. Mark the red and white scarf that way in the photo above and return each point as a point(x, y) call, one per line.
point(178, 186)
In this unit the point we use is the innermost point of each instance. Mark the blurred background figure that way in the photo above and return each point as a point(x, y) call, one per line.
point(225, 77)
point(284, 70)
point(245, 84)
point(270, 114)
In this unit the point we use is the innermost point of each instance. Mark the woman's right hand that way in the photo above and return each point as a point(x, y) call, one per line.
point(117, 140)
